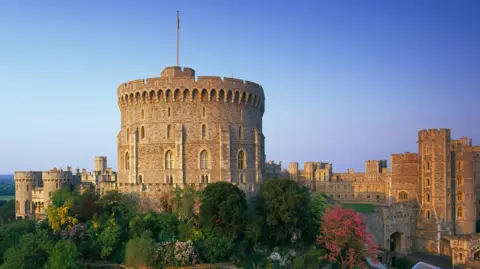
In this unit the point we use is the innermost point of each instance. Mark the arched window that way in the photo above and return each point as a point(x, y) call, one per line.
point(242, 178)
point(428, 214)
point(142, 132)
point(204, 159)
point(127, 161)
point(459, 196)
point(428, 198)
point(169, 160)
point(240, 132)
point(241, 160)
point(169, 131)
point(460, 180)
point(427, 180)
point(403, 196)
point(460, 256)
point(140, 179)
point(460, 212)
point(128, 135)
point(204, 131)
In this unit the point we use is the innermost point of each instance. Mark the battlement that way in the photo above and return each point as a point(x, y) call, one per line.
point(407, 157)
point(464, 141)
point(177, 85)
point(27, 176)
point(434, 133)
point(56, 174)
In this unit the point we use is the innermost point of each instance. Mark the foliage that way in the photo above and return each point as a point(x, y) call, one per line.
point(185, 253)
point(185, 201)
point(122, 205)
point(223, 208)
point(346, 239)
point(285, 208)
point(64, 256)
point(10, 234)
point(31, 252)
point(161, 225)
point(319, 205)
point(140, 251)
point(7, 212)
point(61, 196)
point(216, 247)
point(61, 217)
point(310, 259)
point(86, 206)
point(108, 239)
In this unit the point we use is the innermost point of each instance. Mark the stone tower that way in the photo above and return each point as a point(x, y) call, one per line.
point(178, 129)
point(100, 164)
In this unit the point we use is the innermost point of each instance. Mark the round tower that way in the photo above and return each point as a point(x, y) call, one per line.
point(177, 129)
point(24, 184)
point(54, 180)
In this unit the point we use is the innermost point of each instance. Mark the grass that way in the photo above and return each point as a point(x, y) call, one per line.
point(361, 208)
point(6, 197)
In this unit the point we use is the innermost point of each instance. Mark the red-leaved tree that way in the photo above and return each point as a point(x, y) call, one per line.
point(346, 239)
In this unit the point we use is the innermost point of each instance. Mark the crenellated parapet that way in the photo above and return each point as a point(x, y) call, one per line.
point(57, 175)
point(176, 85)
point(434, 133)
point(28, 176)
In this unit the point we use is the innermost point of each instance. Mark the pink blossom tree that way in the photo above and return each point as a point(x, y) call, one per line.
point(346, 238)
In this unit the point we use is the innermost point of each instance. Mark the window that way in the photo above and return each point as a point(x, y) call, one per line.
point(427, 180)
point(460, 256)
point(169, 131)
point(169, 160)
point(204, 159)
point(168, 179)
point(204, 131)
point(403, 196)
point(428, 198)
point(460, 212)
point(242, 178)
point(56, 186)
point(204, 179)
point(140, 179)
point(27, 206)
point(460, 180)
point(241, 159)
point(459, 196)
point(127, 161)
point(428, 214)
point(142, 132)
point(128, 135)
point(240, 133)
point(168, 113)
point(27, 187)
point(143, 114)
point(203, 113)
point(427, 166)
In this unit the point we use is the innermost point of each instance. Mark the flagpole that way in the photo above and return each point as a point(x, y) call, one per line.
point(178, 29)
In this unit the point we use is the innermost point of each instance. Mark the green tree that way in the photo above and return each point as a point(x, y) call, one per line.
point(30, 253)
point(163, 226)
point(61, 217)
point(86, 206)
point(10, 234)
point(319, 205)
point(7, 212)
point(185, 201)
point(108, 239)
point(285, 207)
point(61, 196)
point(64, 256)
point(223, 209)
point(124, 206)
point(140, 251)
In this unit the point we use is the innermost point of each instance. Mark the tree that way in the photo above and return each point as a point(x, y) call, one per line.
point(10, 234)
point(30, 253)
point(64, 256)
point(86, 206)
point(7, 211)
point(140, 251)
point(223, 208)
point(285, 207)
point(108, 239)
point(61, 196)
point(346, 239)
point(61, 217)
point(319, 206)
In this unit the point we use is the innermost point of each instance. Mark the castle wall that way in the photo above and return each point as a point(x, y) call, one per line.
point(404, 178)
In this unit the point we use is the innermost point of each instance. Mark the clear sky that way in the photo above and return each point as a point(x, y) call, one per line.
point(345, 81)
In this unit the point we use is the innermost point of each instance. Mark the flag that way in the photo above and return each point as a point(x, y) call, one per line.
point(178, 20)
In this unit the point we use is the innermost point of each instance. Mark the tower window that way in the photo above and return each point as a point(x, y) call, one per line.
point(460, 212)
point(242, 178)
point(459, 196)
point(140, 179)
point(142, 132)
point(460, 180)
point(241, 160)
point(143, 113)
point(427, 181)
point(203, 111)
point(240, 132)
point(168, 112)
point(428, 214)
point(204, 159)
point(204, 131)
point(128, 135)
point(169, 131)
point(169, 160)
point(403, 196)
point(127, 161)
point(204, 179)
point(428, 198)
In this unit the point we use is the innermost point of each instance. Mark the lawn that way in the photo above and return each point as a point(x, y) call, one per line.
point(361, 208)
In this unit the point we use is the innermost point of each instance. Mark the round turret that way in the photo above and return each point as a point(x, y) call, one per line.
point(176, 129)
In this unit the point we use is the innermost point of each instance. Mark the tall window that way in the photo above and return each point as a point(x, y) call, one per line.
point(242, 178)
point(403, 196)
point(204, 179)
point(143, 113)
point(460, 180)
point(459, 196)
point(203, 113)
point(204, 159)
point(128, 135)
point(428, 214)
point(204, 131)
point(427, 166)
point(427, 181)
point(169, 131)
point(169, 160)
point(460, 212)
point(27, 187)
point(240, 133)
point(142, 132)
point(140, 179)
point(127, 161)
point(168, 113)
point(428, 198)
point(241, 159)
point(27, 206)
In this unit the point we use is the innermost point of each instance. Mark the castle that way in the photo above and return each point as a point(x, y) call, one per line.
point(181, 130)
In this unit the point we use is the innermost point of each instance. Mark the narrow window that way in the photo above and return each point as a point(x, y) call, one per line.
point(428, 214)
point(460, 180)
point(27, 187)
point(204, 159)
point(169, 160)
point(242, 178)
point(459, 196)
point(240, 132)
point(204, 131)
point(428, 198)
point(56, 185)
point(203, 113)
point(142, 132)
point(169, 131)
point(459, 212)
point(428, 181)
point(140, 179)
point(143, 113)
point(127, 161)
point(168, 113)
point(128, 135)
point(241, 114)
point(241, 159)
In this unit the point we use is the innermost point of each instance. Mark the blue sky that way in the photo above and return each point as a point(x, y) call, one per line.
point(345, 81)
